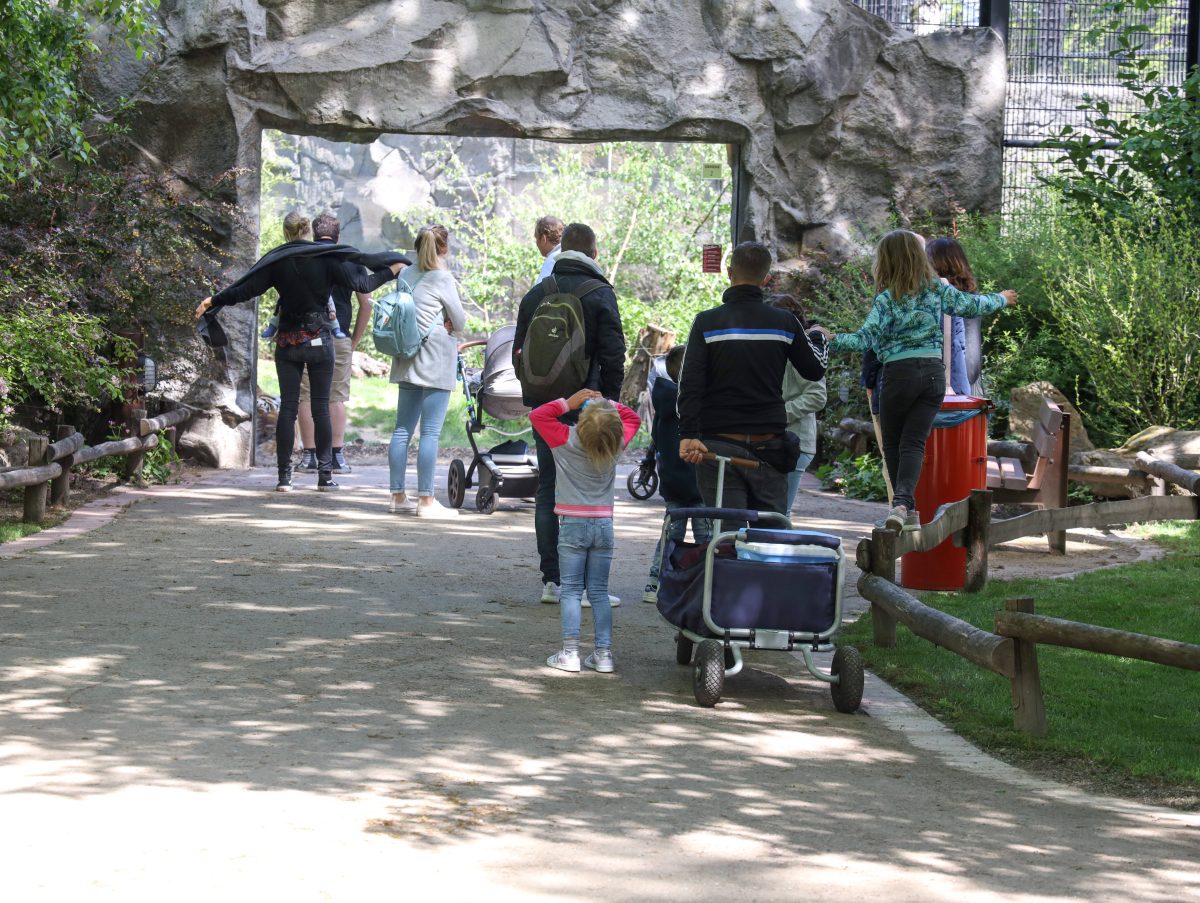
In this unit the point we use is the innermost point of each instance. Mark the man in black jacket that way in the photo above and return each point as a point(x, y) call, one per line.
point(731, 387)
point(604, 346)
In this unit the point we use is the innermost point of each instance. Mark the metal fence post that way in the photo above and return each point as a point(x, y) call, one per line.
point(993, 14)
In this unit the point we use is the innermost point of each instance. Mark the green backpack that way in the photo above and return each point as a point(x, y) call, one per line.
point(553, 362)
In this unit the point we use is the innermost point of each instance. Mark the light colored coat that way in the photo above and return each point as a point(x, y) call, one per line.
point(802, 398)
point(435, 364)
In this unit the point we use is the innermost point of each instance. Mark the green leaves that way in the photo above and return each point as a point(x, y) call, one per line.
point(44, 46)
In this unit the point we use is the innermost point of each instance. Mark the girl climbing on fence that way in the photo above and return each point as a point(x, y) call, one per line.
point(904, 328)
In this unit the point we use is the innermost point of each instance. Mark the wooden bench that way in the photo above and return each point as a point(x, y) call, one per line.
point(1034, 473)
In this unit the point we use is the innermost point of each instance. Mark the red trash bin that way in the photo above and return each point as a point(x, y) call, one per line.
point(955, 463)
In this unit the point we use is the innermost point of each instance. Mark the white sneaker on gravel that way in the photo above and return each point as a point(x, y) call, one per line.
point(600, 661)
point(406, 505)
point(550, 593)
point(650, 594)
point(564, 660)
point(436, 510)
point(614, 601)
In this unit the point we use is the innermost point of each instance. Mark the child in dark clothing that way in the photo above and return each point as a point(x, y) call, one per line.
point(677, 478)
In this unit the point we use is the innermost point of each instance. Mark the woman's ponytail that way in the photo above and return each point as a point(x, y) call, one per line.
point(296, 226)
point(432, 243)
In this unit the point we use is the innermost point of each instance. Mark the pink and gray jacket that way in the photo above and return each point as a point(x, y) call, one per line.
point(580, 490)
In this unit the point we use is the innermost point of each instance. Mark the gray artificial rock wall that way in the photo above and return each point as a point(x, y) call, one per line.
point(839, 121)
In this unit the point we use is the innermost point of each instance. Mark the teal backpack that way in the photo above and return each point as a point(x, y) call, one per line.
point(394, 326)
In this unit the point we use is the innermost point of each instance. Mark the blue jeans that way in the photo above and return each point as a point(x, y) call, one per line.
point(794, 479)
point(677, 530)
point(429, 406)
point(585, 554)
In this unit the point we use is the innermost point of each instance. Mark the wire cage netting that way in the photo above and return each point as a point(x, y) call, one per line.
point(1059, 51)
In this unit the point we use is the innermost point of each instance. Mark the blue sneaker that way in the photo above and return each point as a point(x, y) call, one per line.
point(269, 332)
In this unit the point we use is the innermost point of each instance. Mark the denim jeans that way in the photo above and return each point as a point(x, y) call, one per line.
point(912, 395)
point(764, 489)
point(585, 554)
point(545, 521)
point(793, 479)
point(290, 366)
point(429, 406)
point(677, 530)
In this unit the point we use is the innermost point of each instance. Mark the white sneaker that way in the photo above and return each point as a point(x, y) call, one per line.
point(437, 510)
point(564, 660)
point(650, 594)
point(614, 601)
point(407, 505)
point(600, 661)
point(550, 593)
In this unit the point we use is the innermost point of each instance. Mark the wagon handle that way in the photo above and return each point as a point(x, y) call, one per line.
point(748, 463)
point(465, 345)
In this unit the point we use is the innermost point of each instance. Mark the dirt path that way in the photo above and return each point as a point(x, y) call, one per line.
point(191, 712)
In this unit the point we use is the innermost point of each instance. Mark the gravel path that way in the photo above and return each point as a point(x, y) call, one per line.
point(226, 693)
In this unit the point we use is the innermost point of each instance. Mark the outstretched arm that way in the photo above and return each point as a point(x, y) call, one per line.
point(962, 304)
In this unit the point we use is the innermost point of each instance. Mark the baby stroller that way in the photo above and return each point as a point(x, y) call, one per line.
point(507, 469)
point(642, 481)
point(765, 586)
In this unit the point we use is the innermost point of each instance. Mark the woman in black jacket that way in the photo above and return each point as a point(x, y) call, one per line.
point(304, 273)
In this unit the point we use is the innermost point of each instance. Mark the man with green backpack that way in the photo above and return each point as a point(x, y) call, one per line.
point(568, 337)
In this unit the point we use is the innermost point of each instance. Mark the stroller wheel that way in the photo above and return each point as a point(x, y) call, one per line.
point(683, 649)
point(456, 483)
point(642, 483)
point(848, 691)
point(486, 500)
point(708, 673)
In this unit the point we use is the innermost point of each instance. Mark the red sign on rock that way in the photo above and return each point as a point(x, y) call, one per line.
point(711, 259)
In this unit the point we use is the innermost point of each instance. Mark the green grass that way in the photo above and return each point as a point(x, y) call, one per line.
point(15, 529)
point(1122, 715)
point(372, 406)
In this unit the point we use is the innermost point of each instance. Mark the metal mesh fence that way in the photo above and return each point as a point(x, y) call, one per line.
point(1058, 52)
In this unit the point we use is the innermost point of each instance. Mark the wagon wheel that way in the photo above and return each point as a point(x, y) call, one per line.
point(683, 649)
point(456, 483)
point(848, 668)
point(708, 673)
point(486, 500)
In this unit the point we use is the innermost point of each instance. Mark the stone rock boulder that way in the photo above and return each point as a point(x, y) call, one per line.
point(1181, 447)
point(1026, 406)
point(364, 365)
point(219, 434)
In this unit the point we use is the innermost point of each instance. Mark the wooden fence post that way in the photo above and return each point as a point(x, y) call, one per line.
point(35, 496)
point(975, 539)
point(1029, 708)
point(133, 463)
point(883, 564)
point(60, 486)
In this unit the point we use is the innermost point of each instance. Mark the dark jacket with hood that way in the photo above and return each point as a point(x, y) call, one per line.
point(732, 377)
point(304, 273)
point(604, 340)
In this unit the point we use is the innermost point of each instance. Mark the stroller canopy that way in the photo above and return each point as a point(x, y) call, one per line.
point(500, 391)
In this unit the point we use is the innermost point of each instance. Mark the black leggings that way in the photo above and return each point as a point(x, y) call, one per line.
point(911, 397)
point(290, 364)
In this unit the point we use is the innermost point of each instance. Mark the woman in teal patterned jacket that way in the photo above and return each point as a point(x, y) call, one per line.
point(904, 328)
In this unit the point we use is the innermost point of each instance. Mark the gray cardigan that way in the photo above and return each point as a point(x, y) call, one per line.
point(435, 364)
point(802, 398)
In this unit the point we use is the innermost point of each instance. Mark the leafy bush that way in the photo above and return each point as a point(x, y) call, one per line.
point(856, 478)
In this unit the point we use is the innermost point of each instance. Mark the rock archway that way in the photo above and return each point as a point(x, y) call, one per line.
point(835, 119)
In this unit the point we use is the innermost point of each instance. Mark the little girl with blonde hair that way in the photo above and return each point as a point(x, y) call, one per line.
point(904, 328)
point(585, 461)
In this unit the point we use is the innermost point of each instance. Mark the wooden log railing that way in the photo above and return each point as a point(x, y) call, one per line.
point(47, 476)
point(1011, 650)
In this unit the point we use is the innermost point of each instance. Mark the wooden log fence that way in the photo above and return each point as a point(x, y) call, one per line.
point(47, 477)
point(1011, 651)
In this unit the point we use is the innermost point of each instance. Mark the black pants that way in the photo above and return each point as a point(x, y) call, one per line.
point(764, 489)
point(911, 397)
point(545, 521)
point(290, 364)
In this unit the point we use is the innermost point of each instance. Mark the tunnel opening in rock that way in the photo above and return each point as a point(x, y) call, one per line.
point(655, 207)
